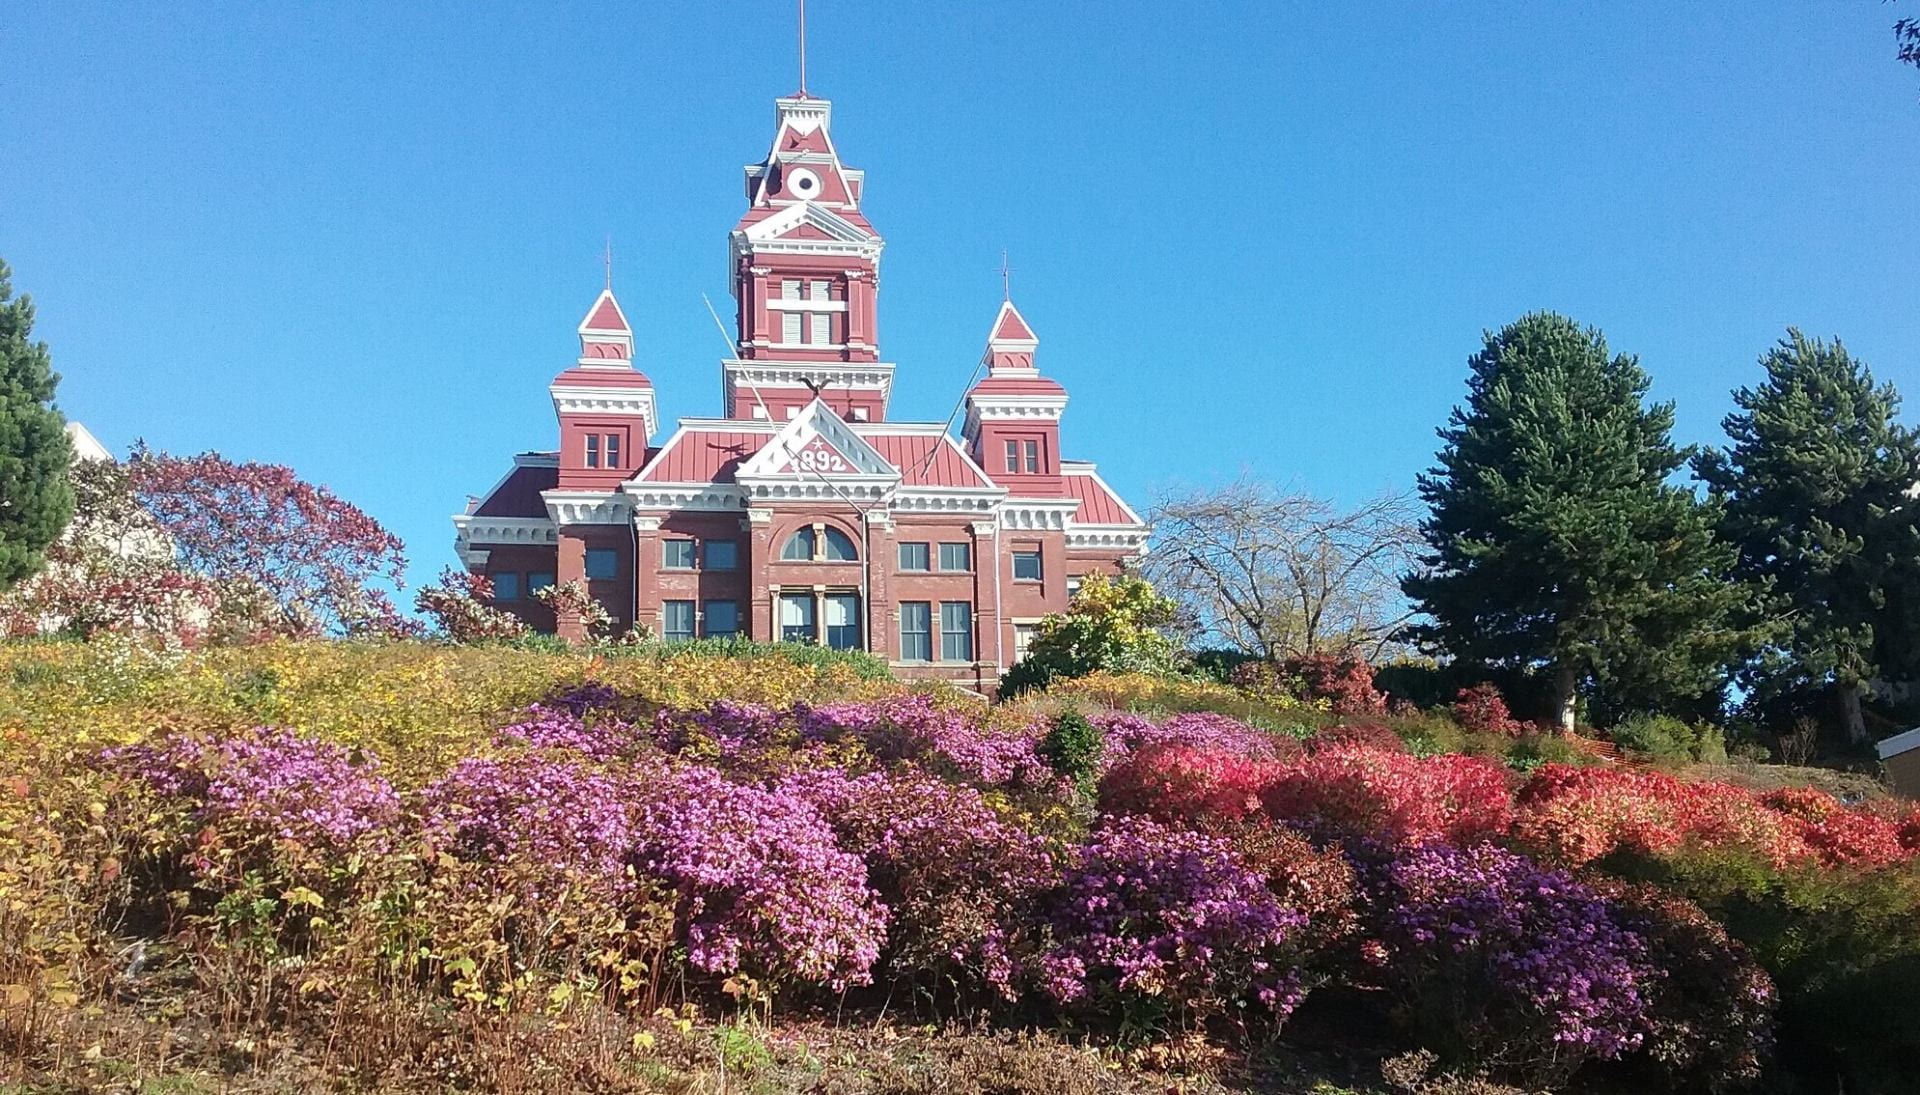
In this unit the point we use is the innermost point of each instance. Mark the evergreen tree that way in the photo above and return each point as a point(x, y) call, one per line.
point(35, 498)
point(1817, 491)
point(1555, 541)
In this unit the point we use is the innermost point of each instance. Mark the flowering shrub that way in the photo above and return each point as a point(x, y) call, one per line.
point(1835, 833)
point(915, 728)
point(1151, 915)
point(267, 784)
point(1710, 1017)
point(961, 881)
point(1482, 709)
point(1352, 790)
point(761, 884)
point(550, 725)
point(1496, 960)
point(460, 606)
point(561, 822)
point(1203, 730)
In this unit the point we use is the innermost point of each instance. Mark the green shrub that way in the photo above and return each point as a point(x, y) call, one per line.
point(1664, 737)
point(1842, 945)
point(1072, 748)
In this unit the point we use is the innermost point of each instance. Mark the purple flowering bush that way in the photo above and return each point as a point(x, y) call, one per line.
point(1161, 926)
point(267, 785)
point(556, 824)
point(1204, 731)
point(962, 882)
point(1495, 959)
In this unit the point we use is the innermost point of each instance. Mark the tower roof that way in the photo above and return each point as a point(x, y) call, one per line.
point(605, 316)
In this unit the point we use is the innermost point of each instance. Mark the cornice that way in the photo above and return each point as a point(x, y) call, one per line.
point(587, 507)
point(474, 529)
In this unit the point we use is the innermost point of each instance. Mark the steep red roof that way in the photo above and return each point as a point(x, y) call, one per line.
point(606, 315)
point(1012, 326)
point(947, 467)
point(705, 456)
point(1098, 505)
point(519, 494)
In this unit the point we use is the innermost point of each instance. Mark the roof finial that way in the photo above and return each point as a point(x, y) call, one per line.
point(609, 261)
point(803, 49)
point(1006, 278)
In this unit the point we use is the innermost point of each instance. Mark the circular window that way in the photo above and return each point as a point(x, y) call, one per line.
point(804, 183)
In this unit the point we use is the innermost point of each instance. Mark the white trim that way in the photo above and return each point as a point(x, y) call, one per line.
point(537, 531)
point(684, 496)
point(629, 402)
point(587, 507)
point(1128, 537)
point(1899, 743)
point(1038, 514)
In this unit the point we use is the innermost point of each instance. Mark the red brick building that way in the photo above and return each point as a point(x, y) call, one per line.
point(804, 513)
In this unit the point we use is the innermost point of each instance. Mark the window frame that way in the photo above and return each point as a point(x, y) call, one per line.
point(612, 450)
point(1030, 452)
point(669, 547)
point(1039, 565)
point(673, 634)
point(514, 594)
point(611, 555)
point(592, 458)
point(926, 557)
point(962, 634)
point(966, 557)
point(924, 634)
point(706, 618)
point(732, 551)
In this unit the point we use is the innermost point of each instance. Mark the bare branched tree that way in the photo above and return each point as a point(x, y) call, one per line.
point(1278, 572)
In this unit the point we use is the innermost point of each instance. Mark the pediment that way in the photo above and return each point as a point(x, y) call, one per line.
point(807, 220)
point(817, 443)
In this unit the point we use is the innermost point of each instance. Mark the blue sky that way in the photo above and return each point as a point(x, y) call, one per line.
point(356, 238)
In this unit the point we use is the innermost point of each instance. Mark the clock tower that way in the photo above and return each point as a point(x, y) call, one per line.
point(805, 265)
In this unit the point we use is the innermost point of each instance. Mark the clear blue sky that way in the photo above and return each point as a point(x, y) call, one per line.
point(356, 238)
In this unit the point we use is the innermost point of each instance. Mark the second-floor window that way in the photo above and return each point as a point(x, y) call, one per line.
point(603, 563)
point(1026, 566)
point(721, 554)
point(677, 554)
point(956, 557)
point(913, 556)
point(506, 587)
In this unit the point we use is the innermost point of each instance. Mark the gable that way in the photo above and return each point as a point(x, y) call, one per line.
point(817, 442)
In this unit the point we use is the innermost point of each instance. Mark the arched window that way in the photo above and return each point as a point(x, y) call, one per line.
point(840, 546)
point(819, 542)
point(799, 546)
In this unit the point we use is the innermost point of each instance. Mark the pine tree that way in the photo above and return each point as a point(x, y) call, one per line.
point(1555, 541)
point(35, 498)
point(1817, 489)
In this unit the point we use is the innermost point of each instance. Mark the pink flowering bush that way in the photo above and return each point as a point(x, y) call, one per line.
point(960, 881)
point(555, 824)
point(267, 785)
point(1159, 926)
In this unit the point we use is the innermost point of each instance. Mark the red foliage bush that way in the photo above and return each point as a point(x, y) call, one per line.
point(1482, 709)
point(1345, 683)
point(1835, 833)
point(1181, 783)
point(1352, 790)
point(1369, 734)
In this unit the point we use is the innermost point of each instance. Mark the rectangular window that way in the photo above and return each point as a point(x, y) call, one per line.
point(956, 631)
point(1026, 566)
point(819, 329)
point(916, 631)
point(593, 450)
point(538, 580)
point(956, 557)
point(843, 621)
point(913, 556)
point(790, 328)
point(676, 554)
point(796, 618)
point(722, 554)
point(506, 587)
point(1013, 456)
point(723, 619)
point(676, 620)
point(603, 563)
point(1022, 639)
point(759, 410)
point(816, 290)
point(790, 289)
point(1033, 457)
point(613, 450)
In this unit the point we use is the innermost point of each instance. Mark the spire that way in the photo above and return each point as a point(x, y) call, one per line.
point(1011, 344)
point(803, 49)
point(605, 338)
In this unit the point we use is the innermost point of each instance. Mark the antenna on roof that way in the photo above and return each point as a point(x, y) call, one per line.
point(609, 260)
point(803, 49)
point(1006, 277)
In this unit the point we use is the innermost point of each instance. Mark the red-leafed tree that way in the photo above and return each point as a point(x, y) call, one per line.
point(323, 563)
point(460, 606)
